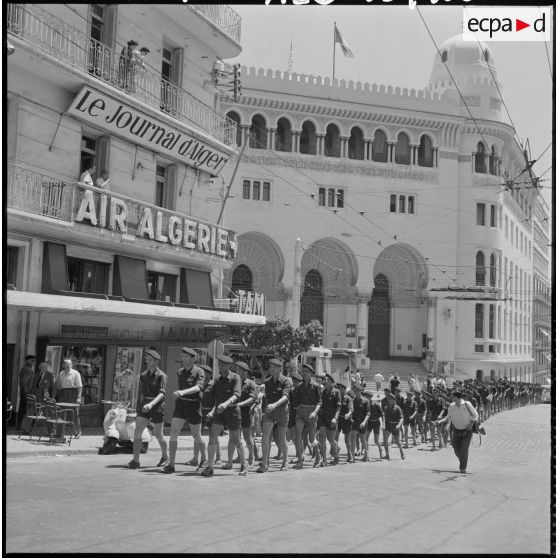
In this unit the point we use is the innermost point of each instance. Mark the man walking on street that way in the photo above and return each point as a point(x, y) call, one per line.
point(307, 402)
point(151, 407)
point(276, 411)
point(68, 388)
point(328, 418)
point(187, 406)
point(410, 409)
point(345, 420)
point(206, 406)
point(378, 379)
point(225, 414)
point(374, 422)
point(247, 404)
point(392, 425)
point(361, 414)
point(462, 415)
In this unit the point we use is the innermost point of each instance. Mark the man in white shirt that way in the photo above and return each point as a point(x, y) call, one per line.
point(68, 388)
point(462, 415)
point(378, 378)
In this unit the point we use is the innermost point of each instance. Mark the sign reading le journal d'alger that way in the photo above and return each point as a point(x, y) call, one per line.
point(122, 120)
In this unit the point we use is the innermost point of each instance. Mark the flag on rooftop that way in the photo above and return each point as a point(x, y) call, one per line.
point(344, 46)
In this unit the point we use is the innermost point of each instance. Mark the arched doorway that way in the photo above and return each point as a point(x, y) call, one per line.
point(379, 319)
point(242, 279)
point(312, 299)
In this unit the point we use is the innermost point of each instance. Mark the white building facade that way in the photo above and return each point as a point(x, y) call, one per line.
point(97, 272)
point(412, 245)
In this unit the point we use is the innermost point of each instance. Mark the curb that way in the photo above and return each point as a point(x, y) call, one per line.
point(52, 453)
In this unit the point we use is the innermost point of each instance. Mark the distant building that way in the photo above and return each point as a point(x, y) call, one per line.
point(416, 246)
point(99, 273)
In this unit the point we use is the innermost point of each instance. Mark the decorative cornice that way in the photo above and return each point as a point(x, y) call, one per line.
point(328, 164)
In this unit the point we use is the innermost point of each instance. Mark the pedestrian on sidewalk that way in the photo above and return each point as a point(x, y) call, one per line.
point(462, 415)
point(374, 421)
point(378, 379)
point(247, 404)
point(361, 414)
point(410, 410)
point(25, 378)
point(150, 407)
point(68, 390)
point(345, 421)
point(187, 406)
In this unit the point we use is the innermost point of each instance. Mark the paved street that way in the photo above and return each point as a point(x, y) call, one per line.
point(90, 503)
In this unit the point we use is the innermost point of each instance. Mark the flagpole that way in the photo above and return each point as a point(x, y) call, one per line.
point(334, 24)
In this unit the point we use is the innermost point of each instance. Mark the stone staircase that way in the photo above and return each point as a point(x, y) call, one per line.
point(388, 367)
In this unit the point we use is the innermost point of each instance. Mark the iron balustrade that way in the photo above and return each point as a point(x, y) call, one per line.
point(223, 16)
point(72, 46)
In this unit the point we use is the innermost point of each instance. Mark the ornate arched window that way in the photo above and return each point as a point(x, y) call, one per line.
point(308, 138)
point(242, 279)
point(356, 144)
point(425, 152)
point(379, 147)
point(480, 158)
point(403, 149)
point(312, 299)
point(236, 118)
point(283, 136)
point(258, 132)
point(332, 143)
point(480, 270)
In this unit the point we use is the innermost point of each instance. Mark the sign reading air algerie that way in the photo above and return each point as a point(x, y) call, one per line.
point(131, 218)
point(122, 120)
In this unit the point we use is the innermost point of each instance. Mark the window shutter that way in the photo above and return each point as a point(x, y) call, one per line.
point(55, 268)
point(171, 187)
point(103, 155)
point(111, 21)
point(177, 63)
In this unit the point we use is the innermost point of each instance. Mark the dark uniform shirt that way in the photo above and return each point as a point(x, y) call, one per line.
point(375, 412)
point(361, 407)
point(248, 390)
point(207, 395)
point(274, 390)
point(225, 388)
point(306, 394)
point(331, 402)
point(393, 415)
point(421, 406)
point(409, 408)
point(150, 386)
point(188, 379)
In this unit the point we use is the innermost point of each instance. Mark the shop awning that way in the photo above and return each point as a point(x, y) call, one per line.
point(22, 300)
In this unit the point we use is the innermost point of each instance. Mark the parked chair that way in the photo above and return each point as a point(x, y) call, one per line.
point(35, 414)
point(58, 417)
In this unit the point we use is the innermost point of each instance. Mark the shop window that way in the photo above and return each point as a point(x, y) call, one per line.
point(258, 132)
point(308, 139)
point(87, 276)
point(380, 147)
point(238, 132)
point(242, 279)
point(89, 361)
point(11, 254)
point(283, 136)
point(481, 214)
point(403, 149)
point(161, 286)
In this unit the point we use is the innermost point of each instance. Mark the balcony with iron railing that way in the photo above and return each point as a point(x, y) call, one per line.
point(68, 44)
point(33, 192)
point(223, 16)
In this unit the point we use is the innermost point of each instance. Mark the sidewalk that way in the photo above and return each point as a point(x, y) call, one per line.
point(90, 441)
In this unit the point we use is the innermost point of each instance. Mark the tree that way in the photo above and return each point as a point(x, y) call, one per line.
point(277, 336)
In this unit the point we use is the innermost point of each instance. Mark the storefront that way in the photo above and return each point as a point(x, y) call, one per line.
point(106, 340)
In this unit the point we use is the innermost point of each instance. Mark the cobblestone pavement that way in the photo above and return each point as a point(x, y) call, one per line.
point(86, 503)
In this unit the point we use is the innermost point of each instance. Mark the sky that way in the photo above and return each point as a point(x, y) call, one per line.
point(391, 46)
